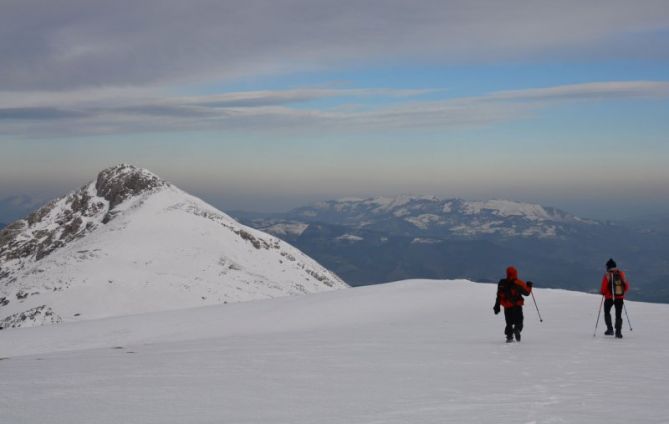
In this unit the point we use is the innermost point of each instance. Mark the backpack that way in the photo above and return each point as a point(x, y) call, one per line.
point(510, 291)
point(617, 283)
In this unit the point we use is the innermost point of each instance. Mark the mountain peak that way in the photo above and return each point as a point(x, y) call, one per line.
point(129, 242)
point(76, 214)
point(118, 183)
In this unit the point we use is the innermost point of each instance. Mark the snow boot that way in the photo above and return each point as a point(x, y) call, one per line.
point(619, 335)
point(517, 334)
point(609, 332)
point(509, 339)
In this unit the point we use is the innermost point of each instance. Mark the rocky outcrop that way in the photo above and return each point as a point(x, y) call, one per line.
point(119, 183)
point(32, 317)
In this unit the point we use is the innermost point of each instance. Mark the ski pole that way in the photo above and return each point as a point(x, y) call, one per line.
point(628, 317)
point(598, 314)
point(535, 305)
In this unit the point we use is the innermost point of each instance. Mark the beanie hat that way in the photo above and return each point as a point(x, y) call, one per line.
point(511, 273)
point(610, 264)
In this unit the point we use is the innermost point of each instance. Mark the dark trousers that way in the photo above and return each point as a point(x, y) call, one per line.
point(608, 304)
point(514, 320)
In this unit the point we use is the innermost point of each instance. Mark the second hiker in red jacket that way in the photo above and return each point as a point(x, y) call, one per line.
point(510, 292)
point(614, 287)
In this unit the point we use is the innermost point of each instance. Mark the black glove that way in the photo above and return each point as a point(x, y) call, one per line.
point(530, 284)
point(496, 308)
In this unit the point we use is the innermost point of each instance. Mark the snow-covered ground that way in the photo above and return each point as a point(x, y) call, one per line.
point(157, 248)
point(407, 352)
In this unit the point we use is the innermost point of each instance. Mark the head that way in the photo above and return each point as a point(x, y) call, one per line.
point(610, 264)
point(511, 273)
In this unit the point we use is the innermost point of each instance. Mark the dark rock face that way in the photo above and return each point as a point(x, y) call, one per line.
point(121, 182)
point(33, 236)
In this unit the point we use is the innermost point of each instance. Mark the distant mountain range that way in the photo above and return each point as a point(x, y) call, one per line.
point(129, 242)
point(374, 240)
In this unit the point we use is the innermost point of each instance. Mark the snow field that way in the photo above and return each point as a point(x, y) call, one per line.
point(408, 352)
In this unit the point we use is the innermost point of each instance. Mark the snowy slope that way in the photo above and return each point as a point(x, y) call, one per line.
point(406, 352)
point(130, 242)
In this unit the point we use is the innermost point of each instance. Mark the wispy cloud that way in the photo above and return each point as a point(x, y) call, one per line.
point(39, 113)
point(282, 97)
point(589, 91)
point(286, 110)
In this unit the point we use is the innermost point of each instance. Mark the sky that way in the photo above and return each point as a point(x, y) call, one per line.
point(266, 105)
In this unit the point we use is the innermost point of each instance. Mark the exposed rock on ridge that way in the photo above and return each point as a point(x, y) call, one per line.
point(119, 183)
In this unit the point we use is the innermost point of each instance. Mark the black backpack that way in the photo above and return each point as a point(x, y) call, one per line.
point(509, 289)
point(617, 283)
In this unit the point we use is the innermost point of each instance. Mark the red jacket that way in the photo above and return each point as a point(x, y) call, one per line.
point(606, 284)
point(510, 291)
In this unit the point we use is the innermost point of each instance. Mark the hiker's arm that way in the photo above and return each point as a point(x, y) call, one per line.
point(604, 290)
point(524, 288)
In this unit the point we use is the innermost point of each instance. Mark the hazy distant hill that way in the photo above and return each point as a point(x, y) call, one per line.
point(374, 240)
point(15, 207)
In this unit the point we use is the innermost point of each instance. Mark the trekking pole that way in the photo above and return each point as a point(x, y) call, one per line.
point(628, 317)
point(598, 314)
point(535, 305)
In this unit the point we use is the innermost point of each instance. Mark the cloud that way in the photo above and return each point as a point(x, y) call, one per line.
point(38, 113)
point(286, 110)
point(250, 111)
point(67, 44)
point(282, 97)
point(589, 91)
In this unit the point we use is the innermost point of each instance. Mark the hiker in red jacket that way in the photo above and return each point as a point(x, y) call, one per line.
point(614, 287)
point(510, 292)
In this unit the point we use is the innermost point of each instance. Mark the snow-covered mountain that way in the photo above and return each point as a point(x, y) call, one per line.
point(445, 217)
point(130, 242)
point(428, 352)
point(380, 239)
